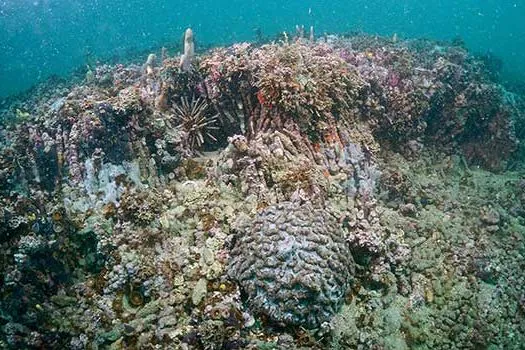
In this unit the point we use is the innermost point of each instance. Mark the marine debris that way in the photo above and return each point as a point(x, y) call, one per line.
point(339, 192)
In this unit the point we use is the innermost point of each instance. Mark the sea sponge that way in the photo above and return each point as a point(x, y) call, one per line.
point(150, 64)
point(189, 51)
point(293, 264)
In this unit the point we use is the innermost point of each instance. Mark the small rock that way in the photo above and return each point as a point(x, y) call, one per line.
point(207, 256)
point(128, 329)
point(63, 300)
point(492, 228)
point(150, 308)
point(199, 292)
point(228, 165)
point(116, 345)
point(165, 221)
point(144, 340)
point(178, 211)
point(167, 321)
point(278, 152)
point(111, 336)
point(490, 216)
point(408, 209)
point(137, 325)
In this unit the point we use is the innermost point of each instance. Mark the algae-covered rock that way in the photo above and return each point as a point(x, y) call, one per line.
point(63, 300)
point(150, 308)
point(199, 291)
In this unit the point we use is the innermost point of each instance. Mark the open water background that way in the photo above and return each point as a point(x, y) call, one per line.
point(40, 38)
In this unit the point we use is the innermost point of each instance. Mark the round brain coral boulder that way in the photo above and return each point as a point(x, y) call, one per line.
point(293, 264)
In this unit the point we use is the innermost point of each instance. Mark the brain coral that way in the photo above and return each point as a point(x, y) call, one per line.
point(293, 264)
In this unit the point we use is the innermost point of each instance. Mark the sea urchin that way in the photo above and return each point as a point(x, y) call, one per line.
point(194, 122)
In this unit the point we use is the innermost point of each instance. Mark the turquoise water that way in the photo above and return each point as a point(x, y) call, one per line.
point(40, 38)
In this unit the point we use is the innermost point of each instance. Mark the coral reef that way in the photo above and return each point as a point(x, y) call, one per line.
point(335, 192)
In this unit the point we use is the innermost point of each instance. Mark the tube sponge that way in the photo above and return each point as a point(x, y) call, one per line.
point(189, 51)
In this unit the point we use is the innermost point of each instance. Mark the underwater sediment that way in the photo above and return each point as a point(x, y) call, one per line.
point(344, 192)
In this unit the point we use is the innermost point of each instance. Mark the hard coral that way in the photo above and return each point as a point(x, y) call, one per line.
point(293, 264)
point(298, 76)
point(305, 82)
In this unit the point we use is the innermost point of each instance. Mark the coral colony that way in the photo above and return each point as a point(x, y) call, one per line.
point(332, 192)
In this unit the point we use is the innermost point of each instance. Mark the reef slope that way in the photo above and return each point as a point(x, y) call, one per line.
point(345, 192)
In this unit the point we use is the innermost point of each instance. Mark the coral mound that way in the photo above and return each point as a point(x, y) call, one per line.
point(293, 264)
